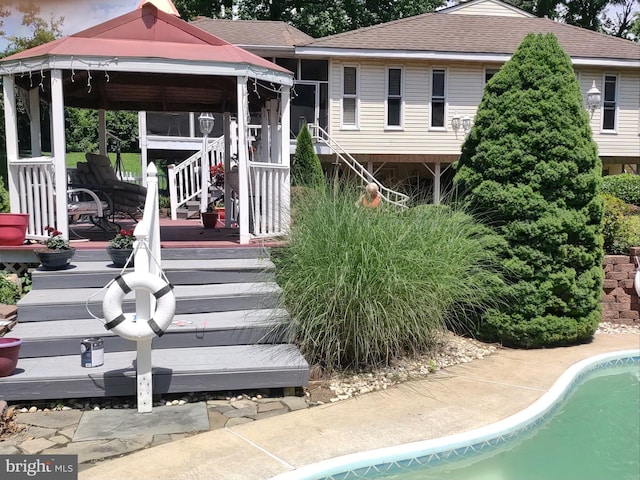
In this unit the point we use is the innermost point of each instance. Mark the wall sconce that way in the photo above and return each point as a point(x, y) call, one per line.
point(457, 122)
point(593, 98)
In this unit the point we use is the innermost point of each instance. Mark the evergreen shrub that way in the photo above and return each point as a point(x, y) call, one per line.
point(621, 226)
point(531, 170)
point(306, 170)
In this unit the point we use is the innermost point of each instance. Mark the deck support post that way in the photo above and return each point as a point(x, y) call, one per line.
point(436, 184)
point(243, 163)
point(59, 150)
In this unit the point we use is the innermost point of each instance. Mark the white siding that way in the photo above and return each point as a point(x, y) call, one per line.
point(487, 7)
point(465, 83)
point(625, 141)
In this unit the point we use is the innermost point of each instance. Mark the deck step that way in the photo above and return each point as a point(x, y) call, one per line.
point(243, 327)
point(91, 255)
point(62, 304)
point(98, 273)
point(174, 371)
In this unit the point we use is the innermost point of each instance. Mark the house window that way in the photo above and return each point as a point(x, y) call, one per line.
point(489, 73)
point(438, 78)
point(349, 96)
point(394, 97)
point(609, 103)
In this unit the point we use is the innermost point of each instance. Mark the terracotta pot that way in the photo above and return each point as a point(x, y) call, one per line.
point(9, 349)
point(119, 256)
point(220, 212)
point(209, 219)
point(13, 228)
point(55, 259)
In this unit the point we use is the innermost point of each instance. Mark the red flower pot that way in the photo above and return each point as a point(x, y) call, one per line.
point(9, 349)
point(13, 228)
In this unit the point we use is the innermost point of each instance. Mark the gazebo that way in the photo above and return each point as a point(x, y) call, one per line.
point(146, 60)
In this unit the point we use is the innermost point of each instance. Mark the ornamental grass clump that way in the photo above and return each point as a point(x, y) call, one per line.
point(364, 286)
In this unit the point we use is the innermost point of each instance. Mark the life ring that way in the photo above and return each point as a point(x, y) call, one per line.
point(637, 281)
point(132, 330)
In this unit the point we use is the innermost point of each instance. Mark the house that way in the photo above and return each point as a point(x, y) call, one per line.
point(392, 94)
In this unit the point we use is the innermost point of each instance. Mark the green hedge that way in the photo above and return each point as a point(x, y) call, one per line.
point(625, 186)
point(621, 226)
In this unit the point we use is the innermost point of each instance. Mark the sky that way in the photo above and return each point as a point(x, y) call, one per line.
point(78, 14)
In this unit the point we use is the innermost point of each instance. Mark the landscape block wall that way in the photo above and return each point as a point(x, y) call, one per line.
point(619, 298)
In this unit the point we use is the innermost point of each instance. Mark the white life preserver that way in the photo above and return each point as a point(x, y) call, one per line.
point(128, 328)
point(637, 281)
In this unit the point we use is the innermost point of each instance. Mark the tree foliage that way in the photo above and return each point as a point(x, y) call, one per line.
point(316, 18)
point(530, 168)
point(306, 170)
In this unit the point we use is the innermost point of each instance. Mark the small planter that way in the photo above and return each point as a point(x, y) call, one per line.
point(55, 259)
point(13, 228)
point(220, 212)
point(119, 256)
point(209, 219)
point(9, 349)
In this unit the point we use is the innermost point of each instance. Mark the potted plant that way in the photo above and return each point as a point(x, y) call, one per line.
point(121, 247)
point(210, 217)
point(57, 253)
point(13, 226)
point(9, 350)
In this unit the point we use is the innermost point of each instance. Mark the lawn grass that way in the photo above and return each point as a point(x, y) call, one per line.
point(130, 161)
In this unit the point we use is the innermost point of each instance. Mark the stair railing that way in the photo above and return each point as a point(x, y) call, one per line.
point(391, 196)
point(184, 179)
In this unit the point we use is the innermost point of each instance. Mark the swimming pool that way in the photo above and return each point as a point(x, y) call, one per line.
point(440, 457)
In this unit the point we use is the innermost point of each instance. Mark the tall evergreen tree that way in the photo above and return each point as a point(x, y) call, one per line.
point(530, 168)
point(306, 170)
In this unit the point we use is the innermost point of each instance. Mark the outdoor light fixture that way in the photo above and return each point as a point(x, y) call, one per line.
point(593, 98)
point(206, 123)
point(457, 122)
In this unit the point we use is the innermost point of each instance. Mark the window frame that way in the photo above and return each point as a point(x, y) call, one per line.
point(388, 96)
point(487, 70)
point(438, 128)
point(615, 103)
point(356, 97)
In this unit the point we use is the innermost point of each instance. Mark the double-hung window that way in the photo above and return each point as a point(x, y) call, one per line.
point(349, 96)
point(394, 97)
point(609, 104)
point(438, 97)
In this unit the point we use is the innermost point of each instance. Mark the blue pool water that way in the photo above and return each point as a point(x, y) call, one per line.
point(594, 435)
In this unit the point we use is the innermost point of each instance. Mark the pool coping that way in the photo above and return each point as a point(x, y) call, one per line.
point(438, 451)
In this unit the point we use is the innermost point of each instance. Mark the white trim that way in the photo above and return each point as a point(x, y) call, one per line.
point(445, 56)
point(356, 97)
point(616, 113)
point(146, 65)
point(463, 5)
point(400, 126)
point(442, 128)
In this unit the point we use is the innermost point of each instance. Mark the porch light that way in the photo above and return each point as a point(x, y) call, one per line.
point(206, 123)
point(593, 98)
point(457, 122)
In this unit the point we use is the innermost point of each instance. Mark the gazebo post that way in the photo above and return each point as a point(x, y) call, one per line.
point(102, 131)
point(243, 164)
point(226, 120)
point(58, 148)
point(34, 123)
point(11, 134)
point(285, 204)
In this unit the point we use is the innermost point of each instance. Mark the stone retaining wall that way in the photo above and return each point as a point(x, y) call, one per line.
point(619, 299)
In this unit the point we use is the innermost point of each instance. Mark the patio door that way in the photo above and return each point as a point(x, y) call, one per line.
point(309, 105)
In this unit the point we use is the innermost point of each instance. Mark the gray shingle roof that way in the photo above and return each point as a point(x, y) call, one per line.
point(253, 32)
point(475, 34)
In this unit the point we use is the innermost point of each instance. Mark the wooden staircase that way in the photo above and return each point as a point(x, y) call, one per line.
point(224, 335)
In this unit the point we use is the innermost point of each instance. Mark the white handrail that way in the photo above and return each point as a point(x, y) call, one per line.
point(184, 179)
point(391, 196)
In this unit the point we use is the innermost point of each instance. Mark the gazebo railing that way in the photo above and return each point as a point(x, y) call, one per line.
point(36, 193)
point(267, 190)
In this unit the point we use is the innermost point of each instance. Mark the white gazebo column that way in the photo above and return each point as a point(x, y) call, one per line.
point(265, 154)
point(34, 124)
point(142, 134)
point(273, 132)
point(228, 208)
point(102, 132)
point(58, 148)
point(11, 133)
point(243, 163)
point(285, 199)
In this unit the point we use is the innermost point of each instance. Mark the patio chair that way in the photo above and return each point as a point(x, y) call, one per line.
point(97, 174)
point(83, 203)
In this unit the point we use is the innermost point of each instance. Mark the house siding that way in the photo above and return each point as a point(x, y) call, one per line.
point(625, 141)
point(487, 8)
point(465, 83)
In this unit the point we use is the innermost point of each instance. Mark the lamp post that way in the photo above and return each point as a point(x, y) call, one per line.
point(206, 125)
point(593, 98)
